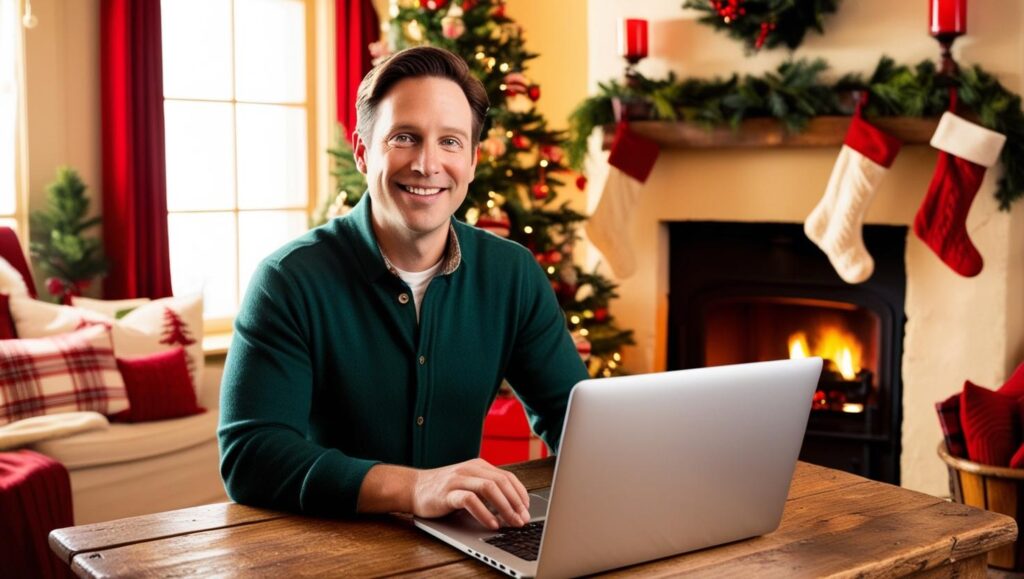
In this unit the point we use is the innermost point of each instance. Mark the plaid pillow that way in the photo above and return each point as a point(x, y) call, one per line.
point(952, 432)
point(63, 373)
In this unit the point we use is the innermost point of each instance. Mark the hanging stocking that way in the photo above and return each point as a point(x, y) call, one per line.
point(836, 222)
point(965, 151)
point(632, 158)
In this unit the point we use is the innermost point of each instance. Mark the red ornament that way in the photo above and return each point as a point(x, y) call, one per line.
point(541, 190)
point(468, 4)
point(520, 141)
point(55, 286)
point(533, 92)
point(581, 182)
point(601, 314)
point(432, 4)
point(567, 292)
point(499, 10)
point(819, 403)
point(552, 153)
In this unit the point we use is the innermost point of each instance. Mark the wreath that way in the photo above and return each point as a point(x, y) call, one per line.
point(765, 23)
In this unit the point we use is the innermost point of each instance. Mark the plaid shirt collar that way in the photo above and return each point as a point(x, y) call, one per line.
point(449, 262)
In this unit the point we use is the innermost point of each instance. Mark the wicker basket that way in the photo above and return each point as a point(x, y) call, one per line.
point(993, 488)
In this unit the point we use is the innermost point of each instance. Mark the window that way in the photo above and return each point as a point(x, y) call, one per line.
point(10, 69)
point(239, 127)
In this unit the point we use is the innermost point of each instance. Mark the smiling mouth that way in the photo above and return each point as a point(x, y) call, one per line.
point(421, 191)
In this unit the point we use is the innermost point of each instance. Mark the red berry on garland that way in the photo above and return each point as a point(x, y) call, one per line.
point(766, 28)
point(533, 92)
point(581, 182)
point(541, 190)
point(601, 314)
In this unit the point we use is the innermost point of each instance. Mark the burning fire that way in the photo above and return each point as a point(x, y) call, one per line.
point(832, 344)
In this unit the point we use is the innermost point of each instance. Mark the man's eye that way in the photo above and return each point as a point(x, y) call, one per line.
point(451, 142)
point(402, 139)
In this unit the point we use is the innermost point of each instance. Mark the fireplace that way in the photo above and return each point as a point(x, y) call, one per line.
point(748, 292)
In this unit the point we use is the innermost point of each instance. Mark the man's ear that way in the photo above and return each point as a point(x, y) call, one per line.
point(476, 159)
point(359, 152)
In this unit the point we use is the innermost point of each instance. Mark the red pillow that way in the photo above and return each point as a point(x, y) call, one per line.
point(1014, 386)
point(990, 424)
point(159, 387)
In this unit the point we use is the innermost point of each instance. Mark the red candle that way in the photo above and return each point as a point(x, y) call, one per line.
point(947, 17)
point(633, 39)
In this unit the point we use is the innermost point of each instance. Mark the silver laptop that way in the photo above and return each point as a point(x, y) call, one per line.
point(655, 465)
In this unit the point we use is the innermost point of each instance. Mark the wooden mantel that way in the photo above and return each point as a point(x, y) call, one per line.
point(766, 132)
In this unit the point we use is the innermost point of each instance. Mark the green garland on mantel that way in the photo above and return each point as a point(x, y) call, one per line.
point(795, 93)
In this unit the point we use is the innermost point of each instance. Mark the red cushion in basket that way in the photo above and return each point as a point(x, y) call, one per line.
point(1014, 386)
point(159, 387)
point(991, 425)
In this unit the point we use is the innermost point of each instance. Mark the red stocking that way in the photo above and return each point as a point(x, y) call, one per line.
point(965, 151)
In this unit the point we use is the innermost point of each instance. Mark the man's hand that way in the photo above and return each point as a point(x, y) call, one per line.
point(475, 485)
point(472, 485)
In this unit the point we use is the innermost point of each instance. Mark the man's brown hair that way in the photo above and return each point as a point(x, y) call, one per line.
point(418, 61)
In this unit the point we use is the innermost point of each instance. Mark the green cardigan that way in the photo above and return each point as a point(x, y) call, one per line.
point(329, 373)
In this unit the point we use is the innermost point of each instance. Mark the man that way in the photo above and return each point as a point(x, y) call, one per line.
point(367, 352)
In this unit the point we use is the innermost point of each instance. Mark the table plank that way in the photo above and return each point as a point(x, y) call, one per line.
point(66, 543)
point(285, 547)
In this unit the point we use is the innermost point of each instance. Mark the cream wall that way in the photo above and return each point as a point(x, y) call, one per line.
point(957, 328)
point(557, 31)
point(63, 96)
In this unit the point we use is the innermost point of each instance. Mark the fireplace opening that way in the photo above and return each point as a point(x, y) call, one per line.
point(750, 292)
point(844, 335)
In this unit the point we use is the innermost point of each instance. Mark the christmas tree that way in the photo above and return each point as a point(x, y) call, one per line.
point(59, 247)
point(521, 163)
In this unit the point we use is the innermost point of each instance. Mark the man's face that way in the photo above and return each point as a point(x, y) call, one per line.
point(419, 159)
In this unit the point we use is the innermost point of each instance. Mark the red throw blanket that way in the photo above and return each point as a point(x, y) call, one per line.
point(35, 498)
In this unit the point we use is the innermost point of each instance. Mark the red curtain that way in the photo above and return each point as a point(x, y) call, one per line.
point(134, 168)
point(356, 26)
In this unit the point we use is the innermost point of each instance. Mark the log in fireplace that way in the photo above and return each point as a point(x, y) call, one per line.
point(747, 292)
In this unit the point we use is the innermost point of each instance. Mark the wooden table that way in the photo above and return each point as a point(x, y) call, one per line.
point(835, 524)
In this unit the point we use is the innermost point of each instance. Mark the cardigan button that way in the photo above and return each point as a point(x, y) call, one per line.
point(403, 298)
point(419, 421)
point(423, 360)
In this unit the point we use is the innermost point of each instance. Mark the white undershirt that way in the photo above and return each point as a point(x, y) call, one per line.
point(418, 282)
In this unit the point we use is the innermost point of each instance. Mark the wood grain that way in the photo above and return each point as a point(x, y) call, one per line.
point(72, 540)
point(765, 132)
point(834, 525)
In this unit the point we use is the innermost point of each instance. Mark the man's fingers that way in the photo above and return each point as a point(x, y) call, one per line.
point(463, 499)
point(521, 489)
point(512, 488)
point(494, 494)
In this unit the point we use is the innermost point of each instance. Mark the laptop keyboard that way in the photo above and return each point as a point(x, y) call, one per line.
point(523, 542)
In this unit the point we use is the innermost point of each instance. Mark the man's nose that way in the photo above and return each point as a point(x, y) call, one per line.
point(428, 161)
